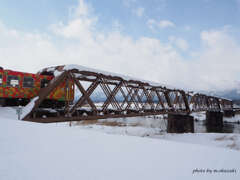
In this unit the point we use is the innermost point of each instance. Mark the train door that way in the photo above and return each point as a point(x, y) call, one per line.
point(2, 100)
point(12, 86)
point(44, 83)
point(69, 91)
point(28, 86)
point(1, 85)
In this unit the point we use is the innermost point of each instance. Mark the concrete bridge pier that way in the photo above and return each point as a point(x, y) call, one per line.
point(228, 113)
point(214, 121)
point(180, 123)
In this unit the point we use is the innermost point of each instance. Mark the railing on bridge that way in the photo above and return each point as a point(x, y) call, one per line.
point(125, 97)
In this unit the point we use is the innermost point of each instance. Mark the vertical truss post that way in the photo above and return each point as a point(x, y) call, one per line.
point(184, 96)
point(160, 100)
point(166, 93)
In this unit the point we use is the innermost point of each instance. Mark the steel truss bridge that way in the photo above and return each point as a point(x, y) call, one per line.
point(125, 97)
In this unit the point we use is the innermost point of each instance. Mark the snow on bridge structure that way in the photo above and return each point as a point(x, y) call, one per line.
point(124, 97)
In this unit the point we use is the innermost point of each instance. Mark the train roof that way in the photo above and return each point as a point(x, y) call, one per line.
point(13, 71)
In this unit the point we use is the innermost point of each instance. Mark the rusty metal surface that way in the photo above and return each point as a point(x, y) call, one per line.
point(137, 99)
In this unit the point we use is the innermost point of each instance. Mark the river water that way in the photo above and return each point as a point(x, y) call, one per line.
point(200, 127)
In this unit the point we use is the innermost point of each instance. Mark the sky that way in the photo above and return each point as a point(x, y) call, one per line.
point(187, 44)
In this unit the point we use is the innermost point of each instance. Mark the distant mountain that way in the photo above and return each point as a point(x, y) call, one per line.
point(233, 94)
point(236, 102)
point(99, 96)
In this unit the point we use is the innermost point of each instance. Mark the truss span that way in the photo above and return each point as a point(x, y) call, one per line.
point(124, 97)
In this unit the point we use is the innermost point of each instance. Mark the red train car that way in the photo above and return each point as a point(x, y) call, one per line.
point(17, 88)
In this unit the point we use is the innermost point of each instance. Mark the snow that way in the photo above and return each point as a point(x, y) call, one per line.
point(200, 116)
point(56, 151)
point(231, 141)
point(135, 126)
point(150, 121)
point(28, 108)
point(236, 106)
point(57, 73)
point(235, 119)
point(156, 128)
point(8, 113)
point(84, 68)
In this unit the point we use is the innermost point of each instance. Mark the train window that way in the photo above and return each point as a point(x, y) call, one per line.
point(1, 80)
point(12, 81)
point(28, 82)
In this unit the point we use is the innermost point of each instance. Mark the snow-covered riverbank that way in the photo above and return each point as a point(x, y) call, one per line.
point(56, 151)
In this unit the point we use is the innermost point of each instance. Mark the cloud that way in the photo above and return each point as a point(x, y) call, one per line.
point(80, 28)
point(139, 11)
point(117, 26)
point(128, 3)
point(153, 24)
point(182, 44)
point(79, 41)
point(220, 59)
point(26, 51)
point(187, 28)
point(82, 9)
point(131, 4)
point(165, 24)
point(179, 43)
